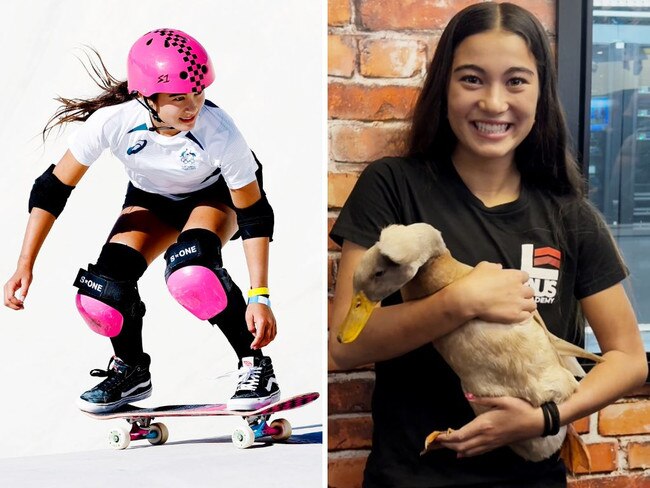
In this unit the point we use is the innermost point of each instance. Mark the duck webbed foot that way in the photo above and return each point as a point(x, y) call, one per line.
point(574, 452)
point(430, 442)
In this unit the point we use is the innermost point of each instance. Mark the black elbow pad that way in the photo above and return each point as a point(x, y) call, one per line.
point(49, 193)
point(256, 220)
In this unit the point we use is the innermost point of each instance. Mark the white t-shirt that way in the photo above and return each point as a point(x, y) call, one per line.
point(168, 166)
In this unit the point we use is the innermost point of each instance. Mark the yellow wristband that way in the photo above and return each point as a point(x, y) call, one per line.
point(253, 292)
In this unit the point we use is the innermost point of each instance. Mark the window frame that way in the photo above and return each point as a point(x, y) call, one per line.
point(574, 22)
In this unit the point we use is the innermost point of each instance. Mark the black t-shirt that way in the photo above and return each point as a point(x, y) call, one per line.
point(560, 241)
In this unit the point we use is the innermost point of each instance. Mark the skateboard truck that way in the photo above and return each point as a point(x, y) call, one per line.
point(278, 430)
point(141, 428)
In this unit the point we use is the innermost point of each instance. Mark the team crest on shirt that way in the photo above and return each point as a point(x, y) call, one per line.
point(188, 159)
point(543, 267)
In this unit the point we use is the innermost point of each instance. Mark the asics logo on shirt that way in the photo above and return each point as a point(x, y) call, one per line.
point(137, 147)
point(542, 279)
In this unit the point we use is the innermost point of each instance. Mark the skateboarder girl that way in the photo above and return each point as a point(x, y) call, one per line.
point(193, 185)
point(487, 164)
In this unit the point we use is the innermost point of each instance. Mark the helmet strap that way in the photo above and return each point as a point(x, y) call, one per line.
point(154, 114)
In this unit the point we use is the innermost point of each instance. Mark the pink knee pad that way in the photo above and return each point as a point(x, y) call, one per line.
point(100, 317)
point(199, 290)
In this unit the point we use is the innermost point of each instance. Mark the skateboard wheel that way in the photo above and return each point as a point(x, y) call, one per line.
point(284, 427)
point(243, 438)
point(161, 431)
point(119, 439)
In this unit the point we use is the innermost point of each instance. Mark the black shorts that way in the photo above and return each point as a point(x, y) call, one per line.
point(176, 212)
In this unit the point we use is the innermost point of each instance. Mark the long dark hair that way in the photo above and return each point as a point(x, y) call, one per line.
point(543, 158)
point(114, 92)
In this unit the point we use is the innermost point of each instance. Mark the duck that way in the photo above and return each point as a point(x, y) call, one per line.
point(524, 360)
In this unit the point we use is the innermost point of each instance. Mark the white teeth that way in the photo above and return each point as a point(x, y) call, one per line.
point(491, 128)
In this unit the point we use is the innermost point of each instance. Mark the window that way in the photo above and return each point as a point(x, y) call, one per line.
point(608, 111)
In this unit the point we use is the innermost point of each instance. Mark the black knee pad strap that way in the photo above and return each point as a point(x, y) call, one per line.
point(113, 280)
point(122, 295)
point(194, 247)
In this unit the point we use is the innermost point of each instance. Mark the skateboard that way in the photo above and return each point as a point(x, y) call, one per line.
point(143, 427)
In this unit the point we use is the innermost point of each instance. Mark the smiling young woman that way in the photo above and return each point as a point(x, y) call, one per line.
point(180, 110)
point(493, 94)
point(487, 165)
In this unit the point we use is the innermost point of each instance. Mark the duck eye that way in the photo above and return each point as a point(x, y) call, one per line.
point(379, 273)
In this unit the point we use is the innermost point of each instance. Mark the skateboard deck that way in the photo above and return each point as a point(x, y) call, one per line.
point(143, 427)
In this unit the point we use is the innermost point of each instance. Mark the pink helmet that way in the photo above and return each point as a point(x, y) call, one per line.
point(168, 61)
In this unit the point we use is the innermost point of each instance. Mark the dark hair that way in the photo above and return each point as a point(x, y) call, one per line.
point(543, 157)
point(114, 92)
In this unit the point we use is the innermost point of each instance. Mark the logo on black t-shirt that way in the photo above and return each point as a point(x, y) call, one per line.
point(543, 267)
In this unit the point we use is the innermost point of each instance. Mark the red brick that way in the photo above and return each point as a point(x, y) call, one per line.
point(349, 432)
point(434, 14)
point(408, 14)
point(603, 457)
point(391, 58)
point(582, 425)
point(363, 102)
point(339, 186)
point(625, 418)
point(349, 395)
point(331, 366)
point(331, 245)
point(346, 472)
point(363, 143)
point(638, 455)
point(341, 56)
point(331, 262)
point(431, 44)
point(544, 10)
point(338, 12)
point(611, 482)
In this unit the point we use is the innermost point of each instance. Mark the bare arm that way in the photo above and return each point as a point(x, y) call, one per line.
point(611, 316)
point(259, 317)
point(398, 329)
point(40, 222)
point(612, 319)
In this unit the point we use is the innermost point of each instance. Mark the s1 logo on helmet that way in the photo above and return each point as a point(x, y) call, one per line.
point(163, 79)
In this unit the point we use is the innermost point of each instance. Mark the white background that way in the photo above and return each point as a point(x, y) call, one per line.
point(268, 58)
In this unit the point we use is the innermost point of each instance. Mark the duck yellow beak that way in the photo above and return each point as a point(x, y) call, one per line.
point(356, 319)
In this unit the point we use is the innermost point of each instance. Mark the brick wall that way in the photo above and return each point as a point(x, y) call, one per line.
point(378, 50)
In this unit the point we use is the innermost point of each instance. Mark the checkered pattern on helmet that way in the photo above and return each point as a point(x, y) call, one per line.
point(194, 71)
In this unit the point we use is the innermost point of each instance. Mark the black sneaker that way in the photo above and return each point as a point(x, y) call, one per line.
point(124, 384)
point(257, 386)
